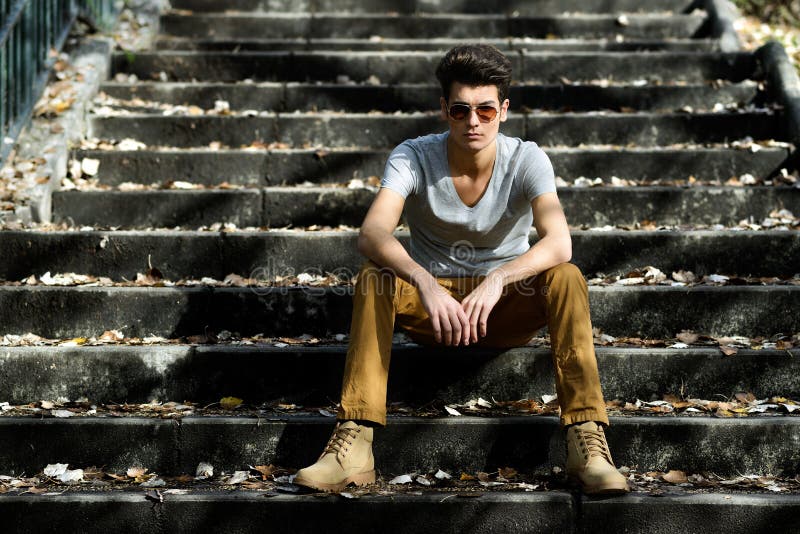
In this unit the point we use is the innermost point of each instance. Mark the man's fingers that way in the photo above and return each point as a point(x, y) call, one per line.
point(465, 327)
point(468, 304)
point(484, 319)
point(447, 329)
point(437, 329)
point(473, 322)
point(455, 324)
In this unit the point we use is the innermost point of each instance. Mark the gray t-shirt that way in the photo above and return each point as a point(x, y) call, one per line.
point(451, 239)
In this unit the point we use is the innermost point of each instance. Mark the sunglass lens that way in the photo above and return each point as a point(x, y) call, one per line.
point(459, 111)
point(486, 113)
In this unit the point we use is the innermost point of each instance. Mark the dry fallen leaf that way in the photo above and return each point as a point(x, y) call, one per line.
point(265, 470)
point(136, 472)
point(507, 472)
point(204, 470)
point(53, 470)
point(230, 403)
point(687, 337)
point(675, 477)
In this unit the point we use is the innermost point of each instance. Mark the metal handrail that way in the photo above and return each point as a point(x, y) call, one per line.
point(29, 30)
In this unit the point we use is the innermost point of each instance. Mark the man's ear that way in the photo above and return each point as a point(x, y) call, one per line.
point(504, 110)
point(443, 105)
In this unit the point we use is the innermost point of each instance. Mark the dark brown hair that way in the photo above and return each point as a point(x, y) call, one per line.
point(475, 64)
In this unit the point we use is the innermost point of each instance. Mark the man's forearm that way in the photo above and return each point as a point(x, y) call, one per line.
point(547, 252)
point(385, 250)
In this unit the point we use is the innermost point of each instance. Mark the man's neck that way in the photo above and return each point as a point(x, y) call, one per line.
point(471, 164)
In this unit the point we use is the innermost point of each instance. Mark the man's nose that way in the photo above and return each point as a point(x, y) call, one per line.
point(473, 117)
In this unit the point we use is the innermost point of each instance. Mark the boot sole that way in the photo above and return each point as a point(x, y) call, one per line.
point(606, 490)
point(360, 479)
point(610, 489)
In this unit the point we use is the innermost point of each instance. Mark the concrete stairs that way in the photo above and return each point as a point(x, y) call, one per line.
point(316, 93)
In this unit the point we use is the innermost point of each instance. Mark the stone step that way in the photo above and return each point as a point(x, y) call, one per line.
point(304, 130)
point(419, 67)
point(99, 512)
point(697, 44)
point(523, 7)
point(264, 255)
point(305, 206)
point(294, 166)
point(312, 375)
point(528, 443)
point(642, 311)
point(273, 96)
point(454, 26)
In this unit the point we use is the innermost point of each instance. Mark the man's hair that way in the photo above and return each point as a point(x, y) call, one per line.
point(474, 64)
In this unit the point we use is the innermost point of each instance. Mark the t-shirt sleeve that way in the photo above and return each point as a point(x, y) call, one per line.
point(536, 171)
point(402, 171)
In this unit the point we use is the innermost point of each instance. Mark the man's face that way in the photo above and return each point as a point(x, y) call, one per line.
point(470, 133)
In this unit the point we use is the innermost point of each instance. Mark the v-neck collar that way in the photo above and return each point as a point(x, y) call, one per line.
point(449, 178)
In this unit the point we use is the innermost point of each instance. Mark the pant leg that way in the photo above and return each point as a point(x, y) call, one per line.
point(559, 298)
point(380, 299)
point(570, 327)
point(366, 370)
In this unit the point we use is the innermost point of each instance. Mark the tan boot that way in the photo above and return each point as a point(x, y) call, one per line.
point(347, 459)
point(589, 460)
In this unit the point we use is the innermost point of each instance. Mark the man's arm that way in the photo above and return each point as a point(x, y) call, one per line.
point(377, 242)
point(554, 247)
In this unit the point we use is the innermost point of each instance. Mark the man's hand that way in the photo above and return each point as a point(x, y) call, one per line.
point(449, 321)
point(479, 303)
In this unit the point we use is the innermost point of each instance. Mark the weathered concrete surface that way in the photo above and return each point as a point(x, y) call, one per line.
point(650, 129)
point(291, 96)
point(677, 513)
point(491, 512)
point(784, 85)
point(440, 44)
point(417, 67)
point(191, 254)
point(246, 512)
point(287, 167)
point(540, 7)
point(284, 206)
point(163, 208)
point(533, 443)
point(387, 131)
point(48, 137)
point(312, 375)
point(642, 311)
point(457, 26)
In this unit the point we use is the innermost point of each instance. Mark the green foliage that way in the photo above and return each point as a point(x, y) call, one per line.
point(771, 11)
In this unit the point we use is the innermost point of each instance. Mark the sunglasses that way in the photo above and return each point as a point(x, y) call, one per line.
point(459, 112)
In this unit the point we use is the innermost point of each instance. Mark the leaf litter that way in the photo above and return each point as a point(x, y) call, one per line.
point(56, 479)
point(647, 275)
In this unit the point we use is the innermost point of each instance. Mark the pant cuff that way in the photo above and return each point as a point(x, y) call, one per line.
point(581, 416)
point(369, 415)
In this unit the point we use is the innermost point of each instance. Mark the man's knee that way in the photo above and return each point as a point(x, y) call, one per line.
point(565, 275)
point(372, 278)
point(567, 270)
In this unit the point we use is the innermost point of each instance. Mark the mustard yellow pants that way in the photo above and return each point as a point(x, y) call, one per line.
point(557, 297)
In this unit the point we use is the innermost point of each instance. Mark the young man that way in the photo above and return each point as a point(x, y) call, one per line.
point(471, 195)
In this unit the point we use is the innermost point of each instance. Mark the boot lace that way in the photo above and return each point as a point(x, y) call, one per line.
point(341, 437)
point(594, 444)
